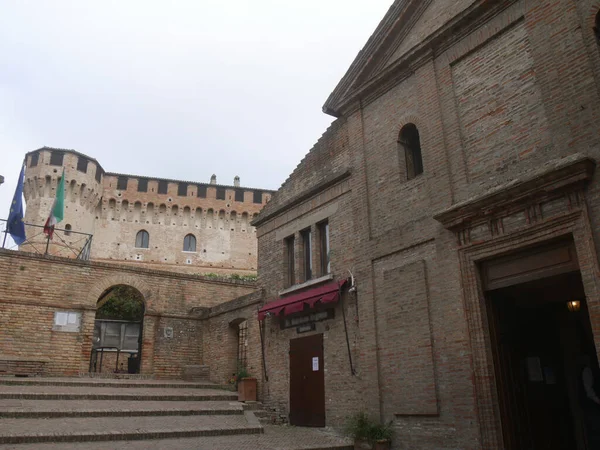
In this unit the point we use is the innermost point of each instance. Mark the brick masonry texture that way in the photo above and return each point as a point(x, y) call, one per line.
point(502, 94)
point(225, 240)
point(33, 288)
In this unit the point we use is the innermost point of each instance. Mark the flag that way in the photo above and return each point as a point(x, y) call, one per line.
point(58, 207)
point(15, 225)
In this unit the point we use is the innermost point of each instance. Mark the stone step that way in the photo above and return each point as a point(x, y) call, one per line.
point(19, 431)
point(38, 392)
point(273, 438)
point(17, 408)
point(97, 382)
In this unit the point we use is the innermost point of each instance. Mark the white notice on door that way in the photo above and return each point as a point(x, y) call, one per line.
point(315, 361)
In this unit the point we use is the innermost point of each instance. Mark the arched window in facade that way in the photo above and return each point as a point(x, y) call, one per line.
point(68, 229)
point(189, 243)
point(142, 239)
point(410, 143)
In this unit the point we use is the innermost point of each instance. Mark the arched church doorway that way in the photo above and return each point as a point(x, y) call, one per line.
point(118, 329)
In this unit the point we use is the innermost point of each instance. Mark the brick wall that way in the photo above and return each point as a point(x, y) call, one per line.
point(498, 96)
point(33, 288)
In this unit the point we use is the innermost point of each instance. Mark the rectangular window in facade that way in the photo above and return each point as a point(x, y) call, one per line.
point(289, 262)
point(201, 191)
point(182, 189)
point(163, 187)
point(56, 158)
point(324, 248)
point(257, 197)
point(142, 185)
point(239, 195)
point(34, 159)
point(82, 164)
point(307, 253)
point(122, 183)
point(220, 193)
point(98, 174)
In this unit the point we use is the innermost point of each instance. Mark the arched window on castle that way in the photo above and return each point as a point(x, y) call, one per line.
point(142, 239)
point(189, 243)
point(68, 229)
point(410, 143)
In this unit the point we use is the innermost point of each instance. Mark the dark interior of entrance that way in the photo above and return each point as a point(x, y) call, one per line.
point(542, 346)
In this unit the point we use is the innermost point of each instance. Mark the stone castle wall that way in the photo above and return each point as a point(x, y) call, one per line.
point(114, 208)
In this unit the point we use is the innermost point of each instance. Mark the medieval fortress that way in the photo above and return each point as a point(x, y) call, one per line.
point(182, 226)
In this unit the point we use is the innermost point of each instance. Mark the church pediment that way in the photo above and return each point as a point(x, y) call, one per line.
point(404, 37)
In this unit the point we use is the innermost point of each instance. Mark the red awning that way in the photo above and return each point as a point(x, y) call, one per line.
point(327, 293)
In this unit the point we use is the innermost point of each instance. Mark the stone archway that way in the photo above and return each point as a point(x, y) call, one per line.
point(118, 331)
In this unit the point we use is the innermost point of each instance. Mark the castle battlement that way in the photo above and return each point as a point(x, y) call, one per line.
point(190, 226)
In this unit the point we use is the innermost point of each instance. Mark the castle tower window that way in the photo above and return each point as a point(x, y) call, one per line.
point(122, 183)
point(411, 144)
point(98, 174)
point(239, 195)
point(220, 193)
point(56, 158)
point(257, 197)
point(182, 189)
point(289, 261)
point(82, 164)
point(163, 187)
point(68, 229)
point(142, 185)
point(142, 239)
point(189, 243)
point(34, 159)
point(201, 191)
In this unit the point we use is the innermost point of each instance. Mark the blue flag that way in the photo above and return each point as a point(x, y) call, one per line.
point(15, 225)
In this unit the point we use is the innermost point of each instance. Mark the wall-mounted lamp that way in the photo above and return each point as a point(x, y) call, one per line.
point(574, 305)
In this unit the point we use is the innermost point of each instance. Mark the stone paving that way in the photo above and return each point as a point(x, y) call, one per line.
point(273, 438)
point(52, 414)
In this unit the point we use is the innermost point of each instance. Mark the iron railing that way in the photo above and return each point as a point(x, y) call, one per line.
point(67, 243)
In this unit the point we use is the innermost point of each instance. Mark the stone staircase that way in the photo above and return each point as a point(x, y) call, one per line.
point(49, 414)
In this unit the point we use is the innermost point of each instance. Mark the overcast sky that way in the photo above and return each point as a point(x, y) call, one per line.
point(175, 89)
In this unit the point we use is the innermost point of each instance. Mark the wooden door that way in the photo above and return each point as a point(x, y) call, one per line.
point(307, 382)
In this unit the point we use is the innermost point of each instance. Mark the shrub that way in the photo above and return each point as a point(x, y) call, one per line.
point(361, 428)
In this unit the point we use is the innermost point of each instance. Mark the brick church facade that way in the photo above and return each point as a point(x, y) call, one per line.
point(433, 259)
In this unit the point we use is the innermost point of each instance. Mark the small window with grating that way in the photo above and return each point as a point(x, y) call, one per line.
point(201, 191)
point(142, 185)
point(257, 197)
point(82, 164)
point(34, 159)
point(56, 158)
point(239, 195)
point(163, 187)
point(122, 183)
point(220, 193)
point(182, 189)
point(98, 174)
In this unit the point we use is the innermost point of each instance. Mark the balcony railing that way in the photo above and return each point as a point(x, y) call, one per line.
point(65, 243)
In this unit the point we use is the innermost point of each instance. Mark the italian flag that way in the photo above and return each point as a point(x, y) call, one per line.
point(58, 208)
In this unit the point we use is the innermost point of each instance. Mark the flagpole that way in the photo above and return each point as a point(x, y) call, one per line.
point(5, 234)
point(47, 245)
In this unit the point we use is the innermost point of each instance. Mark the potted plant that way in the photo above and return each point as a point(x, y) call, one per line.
point(368, 434)
point(246, 385)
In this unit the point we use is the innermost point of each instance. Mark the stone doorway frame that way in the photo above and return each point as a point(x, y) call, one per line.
point(546, 206)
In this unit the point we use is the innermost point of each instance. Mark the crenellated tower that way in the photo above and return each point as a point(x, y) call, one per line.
point(83, 194)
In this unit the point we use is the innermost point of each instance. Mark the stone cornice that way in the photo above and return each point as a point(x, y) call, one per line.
point(562, 174)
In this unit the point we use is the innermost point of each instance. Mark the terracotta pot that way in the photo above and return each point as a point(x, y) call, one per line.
point(247, 390)
point(382, 445)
